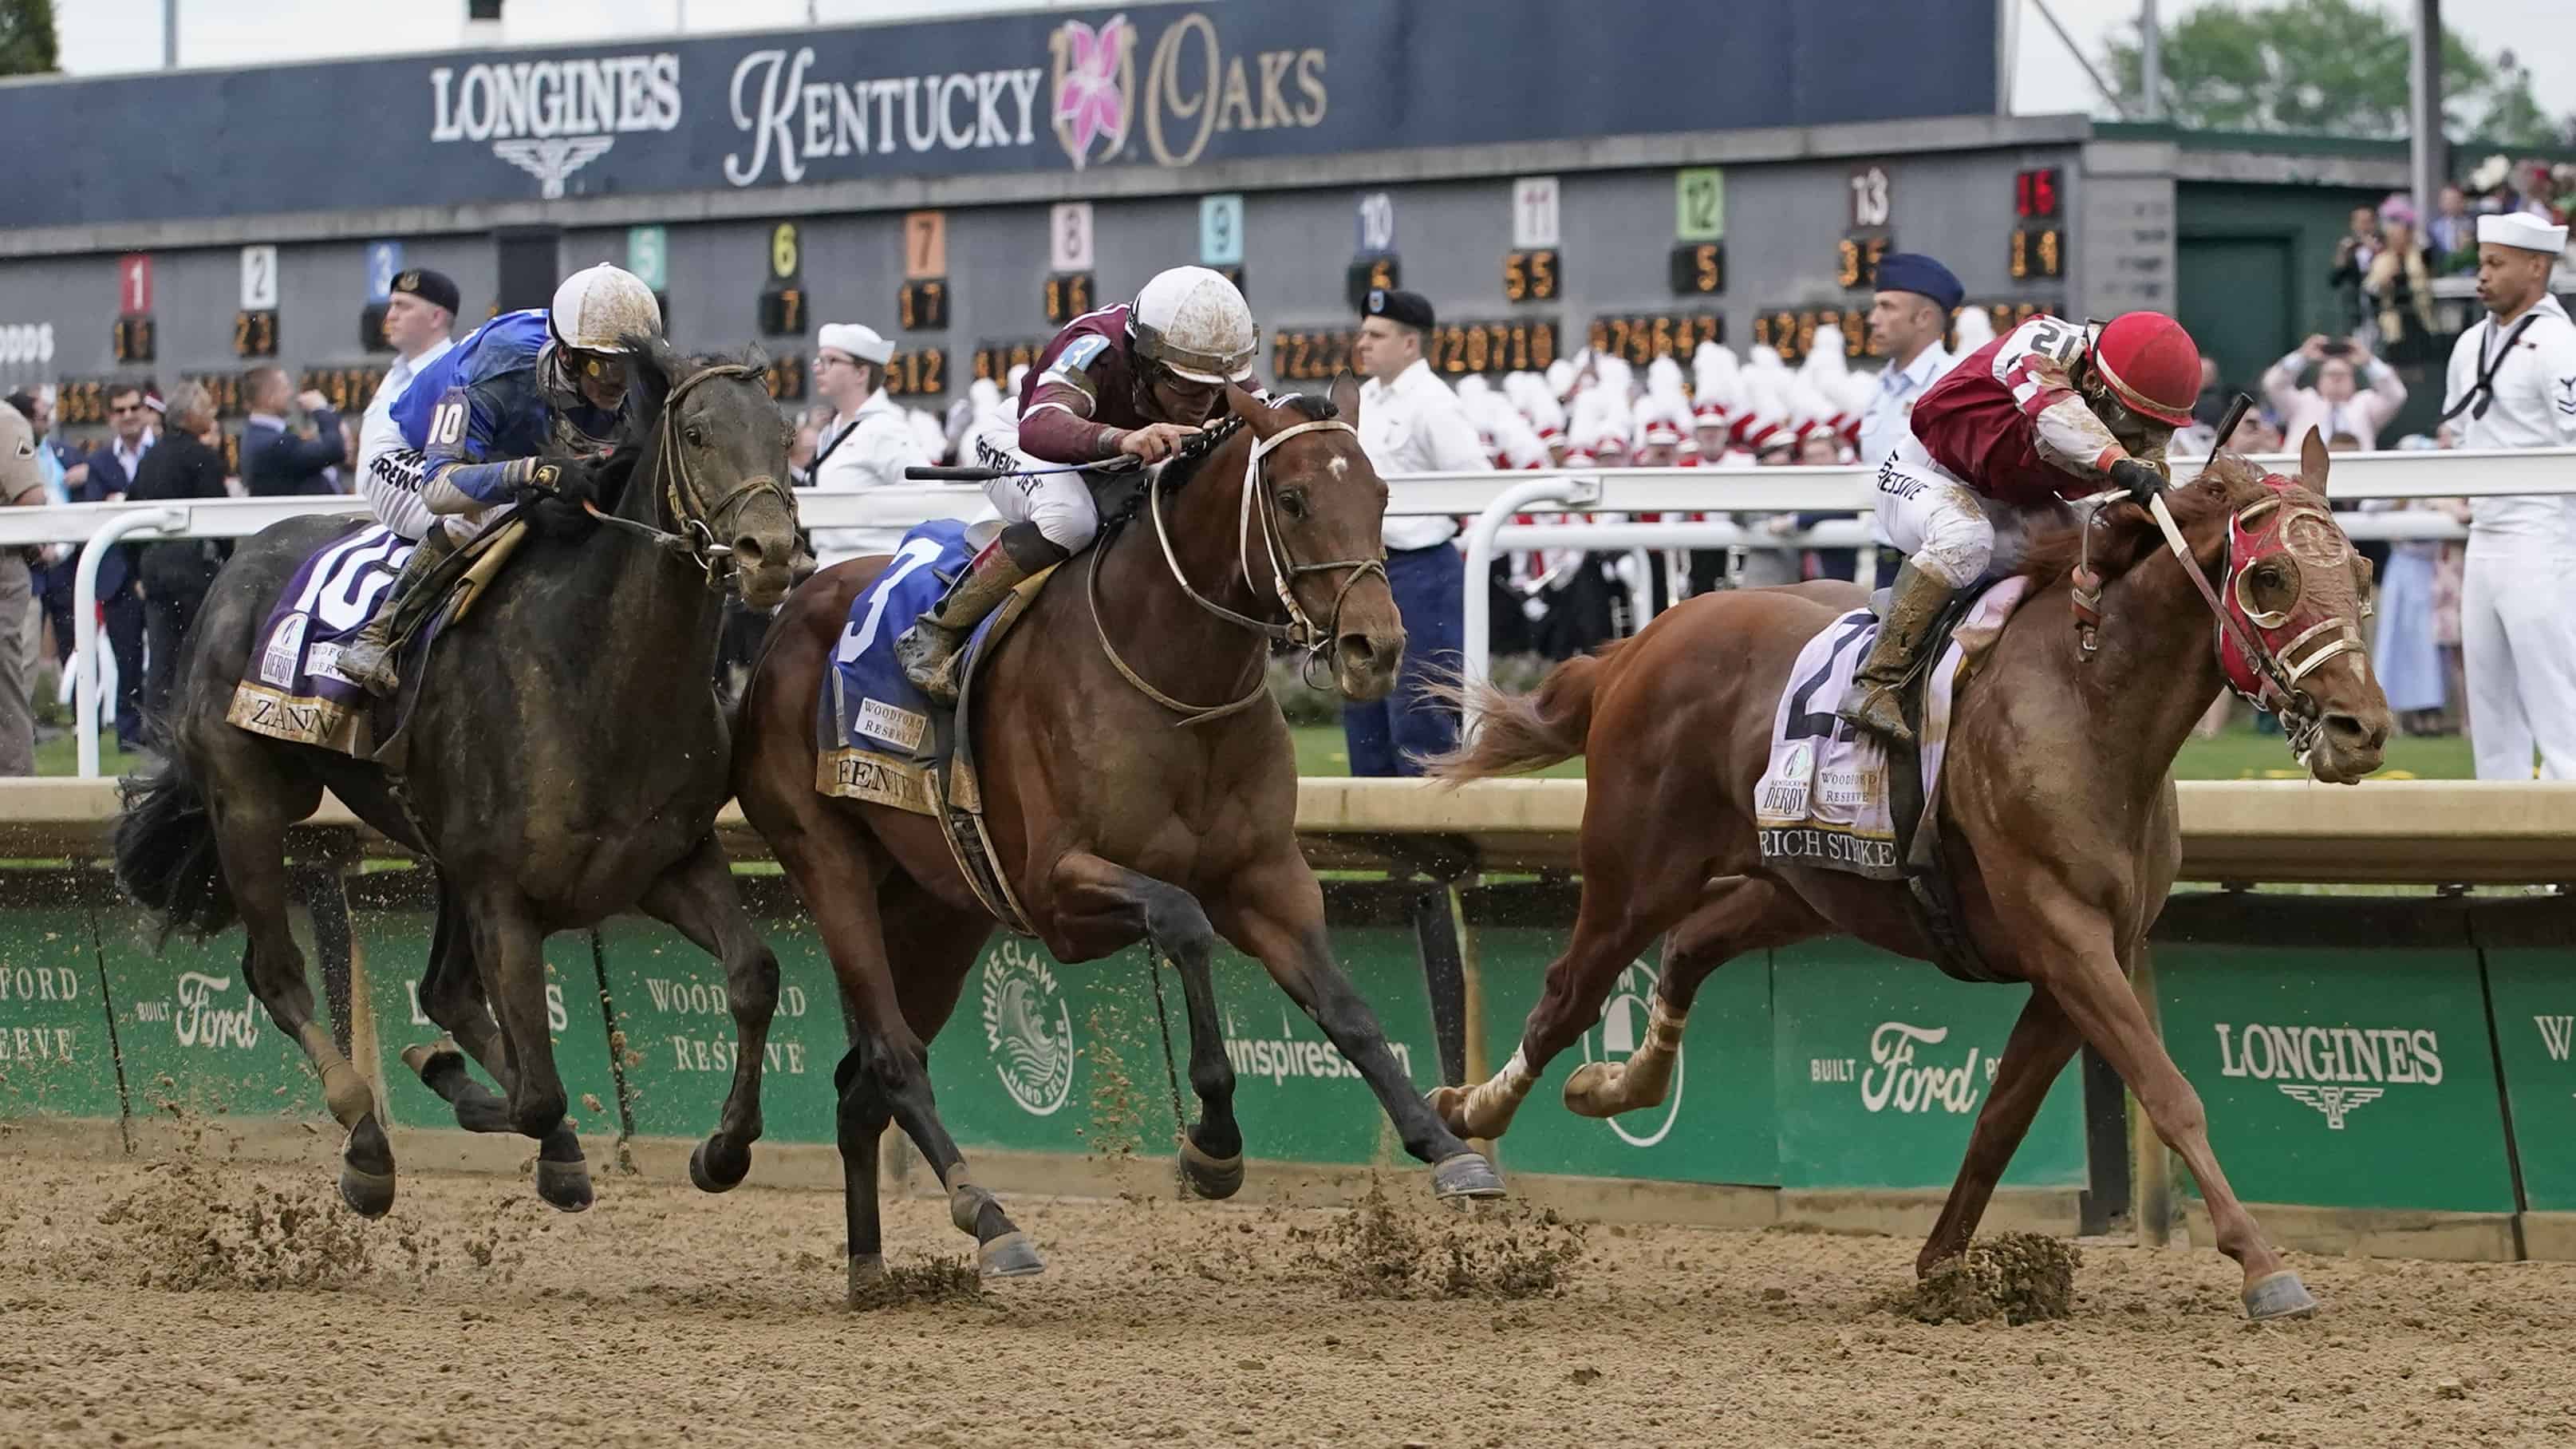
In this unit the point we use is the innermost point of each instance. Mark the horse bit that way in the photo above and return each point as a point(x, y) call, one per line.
point(1299, 630)
point(682, 501)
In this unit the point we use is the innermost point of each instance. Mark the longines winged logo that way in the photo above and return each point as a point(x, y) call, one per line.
point(550, 118)
point(2335, 1102)
point(1095, 86)
point(552, 159)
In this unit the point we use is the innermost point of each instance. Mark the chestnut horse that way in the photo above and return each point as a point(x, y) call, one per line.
point(2057, 812)
point(1138, 784)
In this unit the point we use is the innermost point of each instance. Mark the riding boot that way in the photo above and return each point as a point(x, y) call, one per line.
point(1914, 601)
point(368, 660)
point(928, 651)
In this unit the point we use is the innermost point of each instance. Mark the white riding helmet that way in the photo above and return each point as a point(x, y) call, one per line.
point(597, 308)
point(1194, 322)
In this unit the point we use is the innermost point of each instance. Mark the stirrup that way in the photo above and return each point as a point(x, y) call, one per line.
point(1861, 714)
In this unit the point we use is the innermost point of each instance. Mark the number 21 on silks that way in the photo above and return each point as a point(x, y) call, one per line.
point(447, 423)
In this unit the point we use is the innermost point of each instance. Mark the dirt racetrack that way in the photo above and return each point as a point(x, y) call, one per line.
point(198, 1302)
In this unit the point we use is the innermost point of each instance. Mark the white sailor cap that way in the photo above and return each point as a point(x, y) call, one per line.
point(2524, 230)
point(863, 343)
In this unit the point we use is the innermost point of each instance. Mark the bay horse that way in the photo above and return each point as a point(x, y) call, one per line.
point(566, 761)
point(2057, 815)
point(1138, 783)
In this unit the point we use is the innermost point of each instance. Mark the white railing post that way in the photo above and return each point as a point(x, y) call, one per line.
point(1572, 490)
point(161, 522)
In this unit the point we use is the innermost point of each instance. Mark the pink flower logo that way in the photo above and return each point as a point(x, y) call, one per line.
point(1094, 73)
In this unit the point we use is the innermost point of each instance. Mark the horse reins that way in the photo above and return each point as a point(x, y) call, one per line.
point(682, 502)
point(2281, 693)
point(1298, 631)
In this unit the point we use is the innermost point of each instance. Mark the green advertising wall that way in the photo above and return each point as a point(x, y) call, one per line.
point(2415, 1055)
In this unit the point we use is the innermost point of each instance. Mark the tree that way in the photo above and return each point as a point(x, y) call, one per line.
point(2323, 67)
point(27, 37)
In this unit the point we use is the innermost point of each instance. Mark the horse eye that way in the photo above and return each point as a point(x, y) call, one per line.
point(1293, 502)
point(697, 438)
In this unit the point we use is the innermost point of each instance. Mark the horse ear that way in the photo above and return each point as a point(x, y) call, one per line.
point(1260, 416)
point(1345, 393)
point(2312, 462)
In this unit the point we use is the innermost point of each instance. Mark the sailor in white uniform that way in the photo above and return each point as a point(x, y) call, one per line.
point(2512, 384)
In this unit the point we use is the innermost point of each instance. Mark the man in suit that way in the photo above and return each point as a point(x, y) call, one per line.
point(113, 467)
point(277, 461)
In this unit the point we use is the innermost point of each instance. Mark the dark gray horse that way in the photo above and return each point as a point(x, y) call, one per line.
point(566, 760)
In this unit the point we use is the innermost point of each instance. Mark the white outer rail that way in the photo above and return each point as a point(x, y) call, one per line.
point(155, 521)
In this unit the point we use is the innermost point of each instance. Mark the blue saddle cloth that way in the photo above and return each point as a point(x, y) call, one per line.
point(878, 738)
point(292, 689)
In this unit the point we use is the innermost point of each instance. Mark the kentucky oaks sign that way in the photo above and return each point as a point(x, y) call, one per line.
point(1147, 85)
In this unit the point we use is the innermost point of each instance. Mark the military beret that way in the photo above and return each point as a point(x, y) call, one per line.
point(431, 287)
point(1919, 274)
point(1411, 309)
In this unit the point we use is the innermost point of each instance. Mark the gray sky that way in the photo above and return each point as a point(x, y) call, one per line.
point(115, 35)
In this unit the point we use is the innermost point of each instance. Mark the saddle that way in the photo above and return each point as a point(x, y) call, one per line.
point(881, 740)
point(1835, 800)
point(292, 689)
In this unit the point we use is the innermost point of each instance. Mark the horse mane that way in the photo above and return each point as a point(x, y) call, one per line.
point(2124, 534)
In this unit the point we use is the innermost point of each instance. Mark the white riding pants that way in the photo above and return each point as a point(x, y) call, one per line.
point(2519, 652)
point(1946, 529)
point(1059, 503)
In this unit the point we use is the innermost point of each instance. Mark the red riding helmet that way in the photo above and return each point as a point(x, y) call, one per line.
point(2150, 364)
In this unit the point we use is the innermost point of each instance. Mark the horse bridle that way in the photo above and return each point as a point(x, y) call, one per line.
point(1298, 631)
point(683, 503)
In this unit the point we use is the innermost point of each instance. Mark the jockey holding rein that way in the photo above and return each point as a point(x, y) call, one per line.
point(1133, 381)
point(475, 423)
point(2050, 411)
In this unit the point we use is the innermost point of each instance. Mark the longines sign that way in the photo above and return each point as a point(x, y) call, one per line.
point(1149, 85)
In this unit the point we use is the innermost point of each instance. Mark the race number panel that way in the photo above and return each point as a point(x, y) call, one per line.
point(348, 388)
point(371, 328)
point(1534, 213)
point(1699, 269)
point(1375, 220)
point(1371, 274)
point(786, 252)
point(1069, 237)
point(133, 339)
point(648, 256)
point(1641, 338)
point(2038, 253)
point(782, 311)
point(1699, 204)
point(994, 360)
point(1856, 259)
point(919, 372)
point(1221, 231)
point(1460, 348)
point(1310, 354)
point(259, 278)
point(1532, 276)
point(1791, 331)
point(925, 245)
point(1068, 295)
point(384, 263)
point(255, 333)
point(922, 305)
point(786, 378)
point(1872, 196)
point(134, 284)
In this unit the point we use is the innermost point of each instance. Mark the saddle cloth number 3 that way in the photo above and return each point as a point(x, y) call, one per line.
point(856, 638)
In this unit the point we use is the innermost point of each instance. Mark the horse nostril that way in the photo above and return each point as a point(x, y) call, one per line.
point(2348, 730)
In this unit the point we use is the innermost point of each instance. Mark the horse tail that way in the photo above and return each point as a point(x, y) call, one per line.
point(1516, 732)
point(166, 860)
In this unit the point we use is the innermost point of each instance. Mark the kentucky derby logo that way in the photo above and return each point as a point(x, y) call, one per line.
point(1028, 1029)
point(1621, 1032)
point(1095, 87)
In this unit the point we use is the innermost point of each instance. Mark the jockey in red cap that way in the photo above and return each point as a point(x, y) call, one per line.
point(2047, 412)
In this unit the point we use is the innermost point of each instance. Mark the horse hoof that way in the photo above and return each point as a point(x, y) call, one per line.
point(368, 1194)
point(1011, 1255)
point(867, 1270)
point(1591, 1091)
point(1449, 1104)
point(565, 1186)
point(1467, 1175)
point(2279, 1295)
point(423, 1058)
point(1213, 1178)
point(719, 1171)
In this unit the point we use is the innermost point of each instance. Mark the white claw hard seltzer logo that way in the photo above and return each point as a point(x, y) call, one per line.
point(1028, 1029)
point(1621, 1031)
